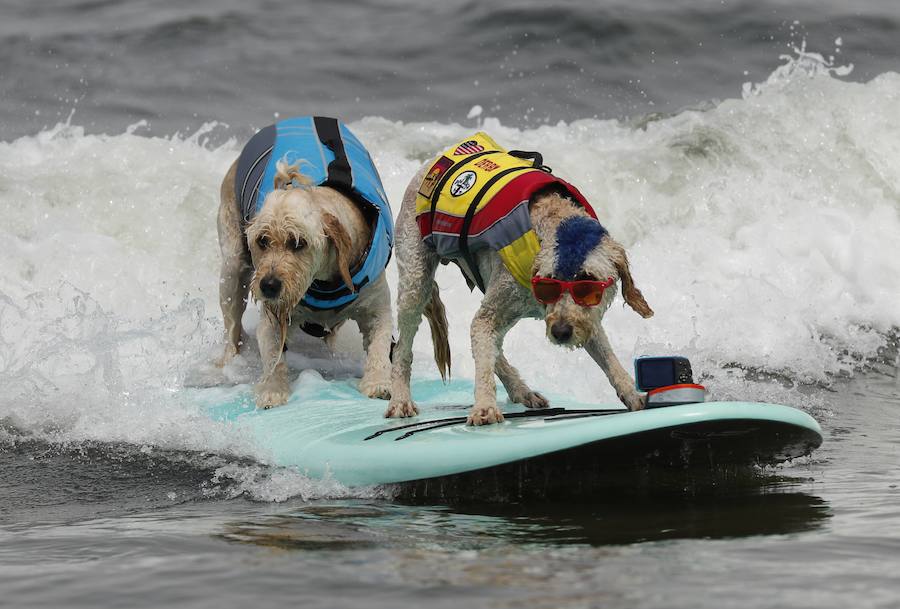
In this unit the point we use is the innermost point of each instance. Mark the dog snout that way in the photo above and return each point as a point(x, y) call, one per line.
point(270, 286)
point(561, 331)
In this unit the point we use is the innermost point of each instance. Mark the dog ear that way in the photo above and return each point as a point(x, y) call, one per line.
point(337, 234)
point(630, 293)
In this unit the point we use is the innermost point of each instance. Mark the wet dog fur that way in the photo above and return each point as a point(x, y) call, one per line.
point(302, 233)
point(560, 224)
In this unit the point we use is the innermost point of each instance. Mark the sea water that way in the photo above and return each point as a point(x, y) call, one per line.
point(762, 225)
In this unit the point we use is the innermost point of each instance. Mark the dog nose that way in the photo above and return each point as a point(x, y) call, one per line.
point(270, 286)
point(561, 331)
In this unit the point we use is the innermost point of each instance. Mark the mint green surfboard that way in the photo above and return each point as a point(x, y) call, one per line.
point(329, 431)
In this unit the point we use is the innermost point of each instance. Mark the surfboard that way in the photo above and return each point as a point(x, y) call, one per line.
point(329, 431)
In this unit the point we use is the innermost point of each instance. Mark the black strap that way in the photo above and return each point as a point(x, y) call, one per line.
point(467, 222)
point(436, 194)
point(326, 290)
point(340, 177)
point(316, 330)
point(536, 158)
point(329, 133)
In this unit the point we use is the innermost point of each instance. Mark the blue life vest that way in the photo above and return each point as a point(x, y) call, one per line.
point(330, 155)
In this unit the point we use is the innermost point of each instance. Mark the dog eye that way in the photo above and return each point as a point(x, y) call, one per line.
point(262, 242)
point(299, 245)
point(582, 276)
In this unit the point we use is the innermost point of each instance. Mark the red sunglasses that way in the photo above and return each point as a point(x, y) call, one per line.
point(585, 293)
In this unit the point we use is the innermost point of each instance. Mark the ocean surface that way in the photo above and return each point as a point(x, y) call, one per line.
point(747, 154)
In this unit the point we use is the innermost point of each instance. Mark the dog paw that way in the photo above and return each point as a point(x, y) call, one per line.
point(484, 415)
point(228, 355)
point(399, 409)
point(531, 399)
point(379, 389)
point(268, 396)
point(633, 401)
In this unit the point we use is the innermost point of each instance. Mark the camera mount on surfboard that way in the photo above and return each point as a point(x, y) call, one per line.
point(668, 381)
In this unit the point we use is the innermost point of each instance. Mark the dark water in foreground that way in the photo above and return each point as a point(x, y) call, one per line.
point(115, 527)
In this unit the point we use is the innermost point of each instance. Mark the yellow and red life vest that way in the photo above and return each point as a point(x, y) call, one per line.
point(476, 196)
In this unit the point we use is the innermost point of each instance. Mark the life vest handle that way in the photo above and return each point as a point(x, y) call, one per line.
point(536, 158)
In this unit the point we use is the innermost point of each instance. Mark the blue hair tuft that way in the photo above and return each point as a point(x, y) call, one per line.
point(576, 236)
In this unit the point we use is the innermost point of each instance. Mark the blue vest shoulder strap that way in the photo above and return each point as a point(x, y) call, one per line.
point(330, 155)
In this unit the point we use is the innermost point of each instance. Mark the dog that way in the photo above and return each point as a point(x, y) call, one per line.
point(305, 227)
point(531, 243)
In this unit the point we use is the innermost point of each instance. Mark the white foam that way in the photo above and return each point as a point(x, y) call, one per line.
point(279, 484)
point(762, 230)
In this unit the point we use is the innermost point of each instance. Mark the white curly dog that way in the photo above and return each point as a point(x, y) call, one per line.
point(301, 233)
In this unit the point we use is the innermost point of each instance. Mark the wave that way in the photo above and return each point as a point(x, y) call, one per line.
point(761, 229)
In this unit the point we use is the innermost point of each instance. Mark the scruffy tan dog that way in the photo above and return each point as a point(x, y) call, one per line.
point(301, 234)
point(531, 241)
